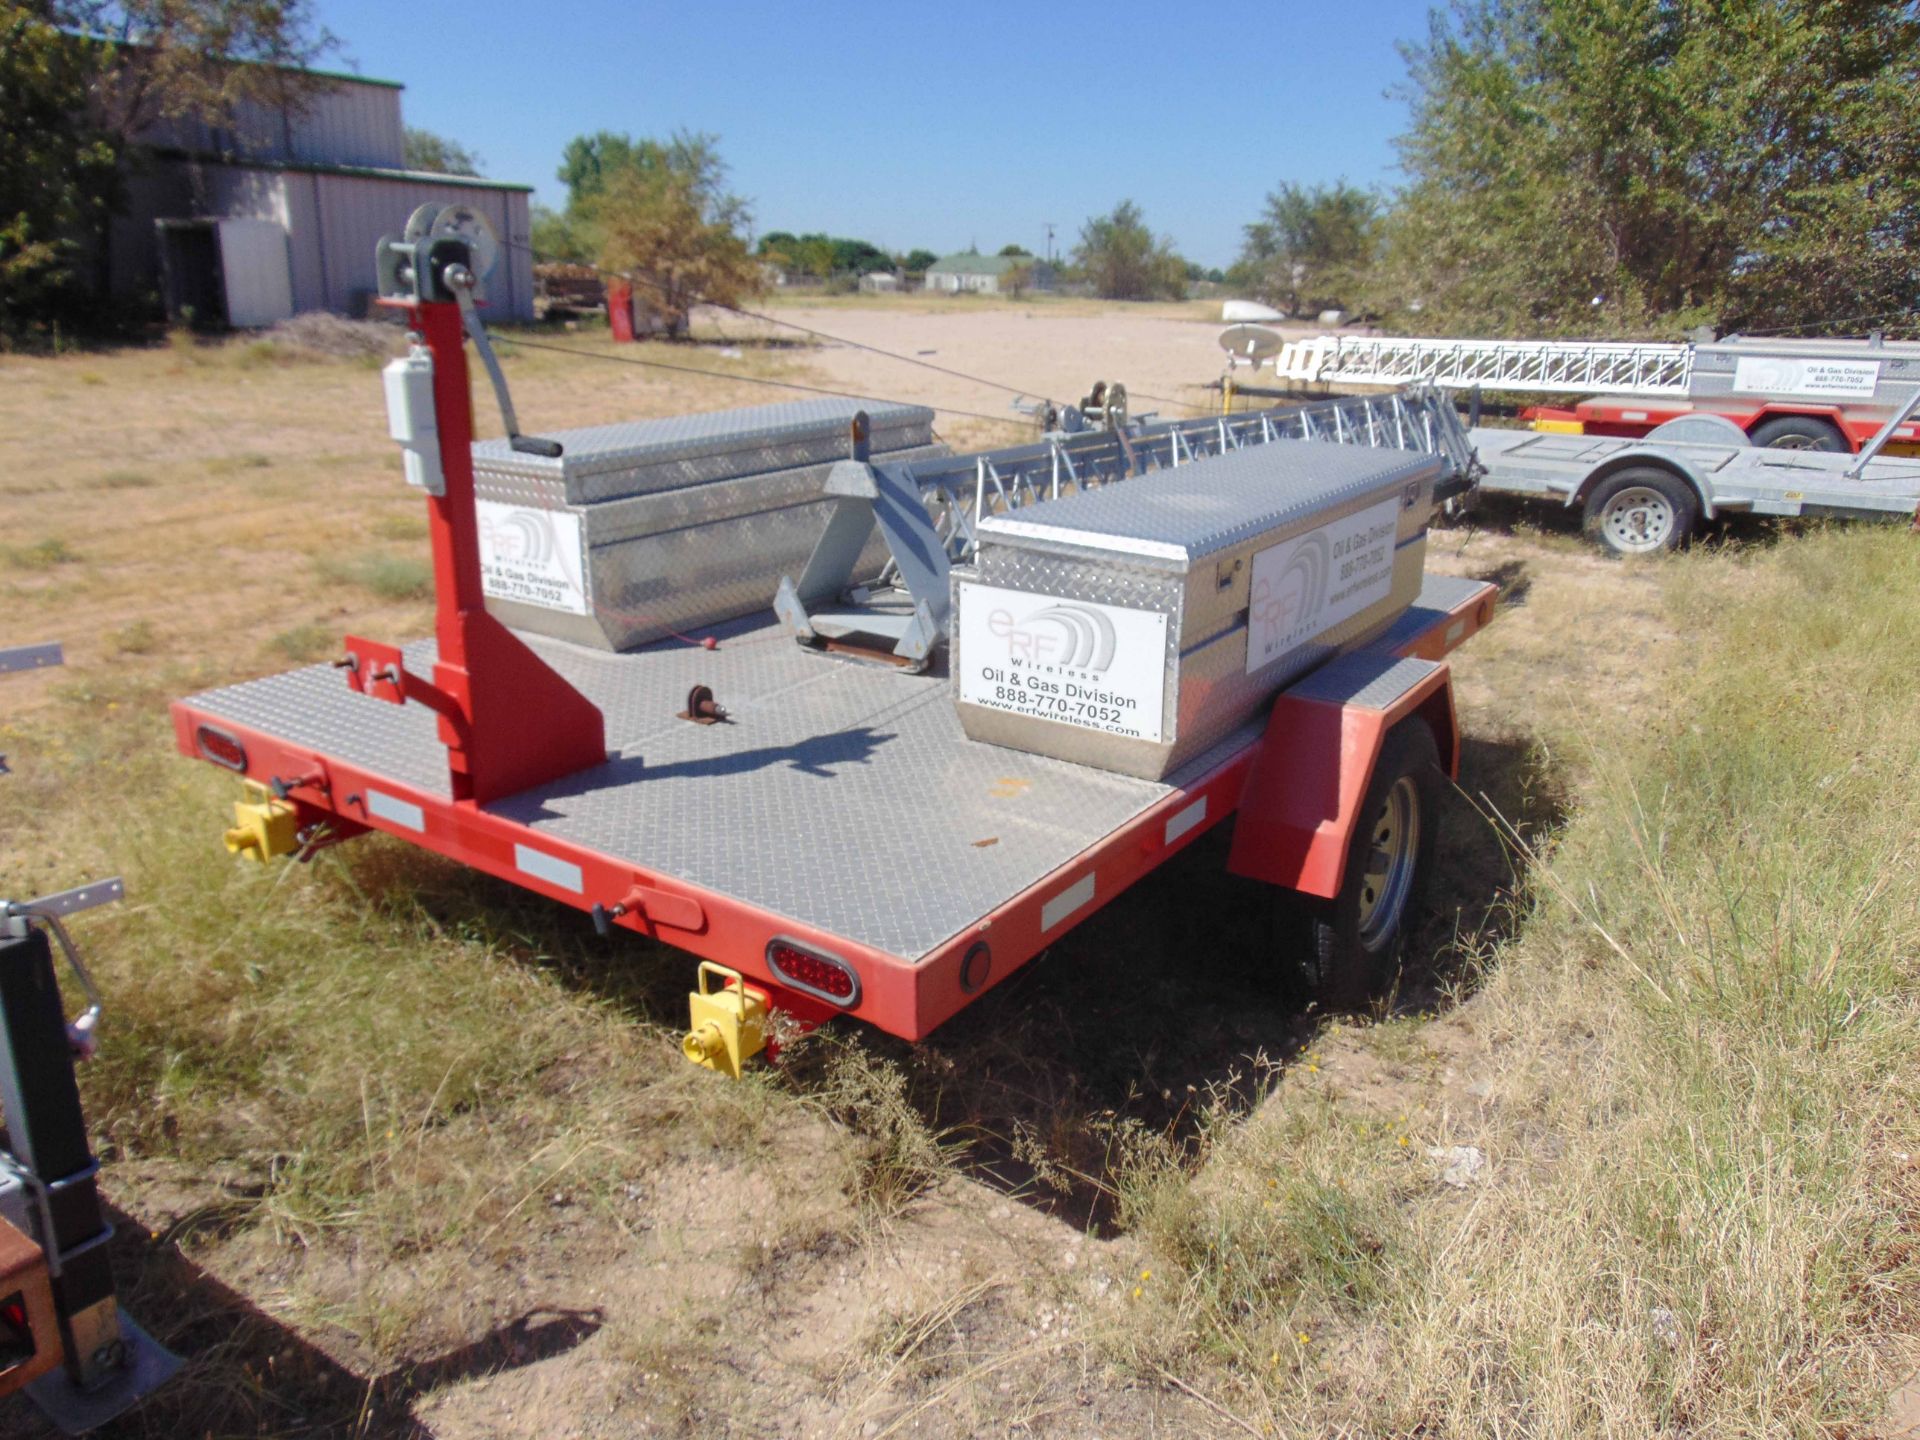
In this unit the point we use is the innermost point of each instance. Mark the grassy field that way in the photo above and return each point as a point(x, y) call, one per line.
point(1691, 1073)
point(403, 1148)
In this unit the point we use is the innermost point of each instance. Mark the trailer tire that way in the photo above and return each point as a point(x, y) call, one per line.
point(1799, 432)
point(1353, 942)
point(1641, 511)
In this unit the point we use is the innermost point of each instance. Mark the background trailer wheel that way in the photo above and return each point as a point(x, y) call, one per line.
point(1799, 432)
point(1352, 943)
point(1640, 511)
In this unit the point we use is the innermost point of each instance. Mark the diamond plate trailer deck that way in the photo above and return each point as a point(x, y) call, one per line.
point(840, 805)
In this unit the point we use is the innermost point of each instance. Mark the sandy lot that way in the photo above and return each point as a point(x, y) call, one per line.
point(1156, 351)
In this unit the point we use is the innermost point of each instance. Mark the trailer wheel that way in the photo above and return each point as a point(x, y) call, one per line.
point(1354, 941)
point(1799, 432)
point(1640, 511)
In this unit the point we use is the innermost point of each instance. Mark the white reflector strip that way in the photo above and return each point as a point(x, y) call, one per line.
point(1066, 902)
point(1186, 819)
point(393, 809)
point(550, 868)
point(1456, 630)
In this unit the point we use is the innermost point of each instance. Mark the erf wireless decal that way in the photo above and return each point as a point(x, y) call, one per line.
point(532, 556)
point(1103, 667)
point(1305, 586)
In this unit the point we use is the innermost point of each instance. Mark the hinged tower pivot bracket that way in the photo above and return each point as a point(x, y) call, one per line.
point(820, 605)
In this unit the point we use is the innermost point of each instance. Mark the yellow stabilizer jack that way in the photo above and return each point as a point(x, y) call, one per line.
point(729, 1025)
point(263, 826)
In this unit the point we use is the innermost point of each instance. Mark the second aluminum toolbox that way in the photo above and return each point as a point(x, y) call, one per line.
point(1132, 627)
point(639, 530)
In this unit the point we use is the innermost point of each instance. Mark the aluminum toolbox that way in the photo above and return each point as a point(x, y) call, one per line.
point(689, 521)
point(610, 462)
point(1133, 626)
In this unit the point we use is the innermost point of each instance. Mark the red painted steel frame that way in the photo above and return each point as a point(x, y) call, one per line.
point(508, 720)
point(907, 998)
point(1625, 417)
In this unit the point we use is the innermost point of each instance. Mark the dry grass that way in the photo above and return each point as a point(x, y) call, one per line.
point(1693, 1077)
point(213, 472)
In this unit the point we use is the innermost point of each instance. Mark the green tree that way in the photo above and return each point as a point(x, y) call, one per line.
point(194, 59)
point(439, 155)
point(145, 61)
point(1311, 247)
point(1016, 280)
point(918, 260)
point(556, 237)
point(660, 211)
point(860, 257)
point(1015, 251)
point(1121, 258)
point(814, 254)
point(587, 160)
point(1661, 163)
point(55, 174)
point(824, 255)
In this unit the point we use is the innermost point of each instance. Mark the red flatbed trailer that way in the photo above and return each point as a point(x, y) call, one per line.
point(835, 839)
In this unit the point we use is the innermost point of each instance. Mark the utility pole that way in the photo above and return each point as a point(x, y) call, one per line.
point(1049, 242)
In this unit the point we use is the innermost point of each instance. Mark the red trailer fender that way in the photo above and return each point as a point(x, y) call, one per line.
point(1303, 791)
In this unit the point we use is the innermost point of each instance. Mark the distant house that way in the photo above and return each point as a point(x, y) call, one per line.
point(279, 213)
point(985, 274)
point(880, 282)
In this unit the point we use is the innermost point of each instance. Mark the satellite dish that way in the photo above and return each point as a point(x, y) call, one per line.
point(463, 222)
point(1235, 312)
point(1250, 344)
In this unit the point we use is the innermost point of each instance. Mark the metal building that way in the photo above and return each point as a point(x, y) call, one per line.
point(986, 274)
point(279, 212)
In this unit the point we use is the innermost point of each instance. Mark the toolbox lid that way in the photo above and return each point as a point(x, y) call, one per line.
point(760, 434)
point(1178, 515)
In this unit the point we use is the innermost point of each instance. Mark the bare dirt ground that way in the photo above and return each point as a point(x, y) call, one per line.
point(1166, 355)
point(746, 1288)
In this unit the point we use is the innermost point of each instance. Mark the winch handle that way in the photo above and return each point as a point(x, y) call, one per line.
point(460, 280)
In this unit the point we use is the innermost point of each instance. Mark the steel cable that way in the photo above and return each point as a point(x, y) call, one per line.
point(503, 338)
point(765, 318)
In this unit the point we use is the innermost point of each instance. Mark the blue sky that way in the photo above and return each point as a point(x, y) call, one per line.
point(933, 126)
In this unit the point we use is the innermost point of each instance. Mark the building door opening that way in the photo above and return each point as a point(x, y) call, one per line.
point(191, 281)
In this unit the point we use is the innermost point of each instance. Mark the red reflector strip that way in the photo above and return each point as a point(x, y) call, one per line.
point(220, 746)
point(826, 976)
